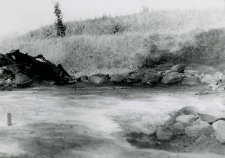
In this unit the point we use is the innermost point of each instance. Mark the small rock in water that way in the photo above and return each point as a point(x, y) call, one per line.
point(208, 118)
point(200, 122)
point(170, 122)
point(179, 127)
point(189, 110)
point(173, 114)
point(163, 133)
point(219, 127)
point(198, 130)
point(187, 119)
point(201, 139)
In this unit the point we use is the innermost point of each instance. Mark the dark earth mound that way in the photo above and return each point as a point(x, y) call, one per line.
point(21, 70)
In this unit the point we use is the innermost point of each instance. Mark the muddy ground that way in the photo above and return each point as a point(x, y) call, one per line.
point(95, 122)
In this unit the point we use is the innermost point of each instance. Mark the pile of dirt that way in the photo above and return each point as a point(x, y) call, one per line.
point(187, 130)
point(21, 70)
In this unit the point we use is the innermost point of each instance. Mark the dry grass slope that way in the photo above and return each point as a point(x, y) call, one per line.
point(113, 45)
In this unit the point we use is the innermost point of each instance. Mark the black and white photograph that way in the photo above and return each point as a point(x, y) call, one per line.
point(112, 78)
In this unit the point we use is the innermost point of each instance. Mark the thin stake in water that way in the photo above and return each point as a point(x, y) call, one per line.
point(75, 84)
point(9, 119)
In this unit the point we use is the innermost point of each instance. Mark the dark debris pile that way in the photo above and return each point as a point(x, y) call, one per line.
point(22, 70)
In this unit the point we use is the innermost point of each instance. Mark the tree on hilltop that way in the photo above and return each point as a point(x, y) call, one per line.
point(60, 27)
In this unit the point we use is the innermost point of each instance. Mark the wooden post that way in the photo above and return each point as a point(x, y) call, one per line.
point(75, 86)
point(9, 119)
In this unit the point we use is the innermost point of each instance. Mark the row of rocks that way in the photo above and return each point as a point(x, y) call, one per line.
point(190, 122)
point(173, 76)
point(176, 74)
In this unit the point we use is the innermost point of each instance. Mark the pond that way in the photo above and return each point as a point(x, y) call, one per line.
point(58, 121)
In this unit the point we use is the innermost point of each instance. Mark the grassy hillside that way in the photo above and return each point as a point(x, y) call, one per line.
point(125, 43)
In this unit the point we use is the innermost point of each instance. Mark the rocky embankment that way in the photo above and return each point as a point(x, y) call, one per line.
point(19, 70)
point(187, 129)
point(164, 75)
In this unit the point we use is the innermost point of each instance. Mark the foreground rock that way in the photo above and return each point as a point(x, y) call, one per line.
point(208, 118)
point(23, 69)
point(219, 127)
point(163, 133)
point(181, 133)
point(188, 110)
point(186, 119)
point(188, 129)
point(198, 130)
point(189, 121)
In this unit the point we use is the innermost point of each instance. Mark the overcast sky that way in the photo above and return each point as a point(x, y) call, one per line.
point(24, 15)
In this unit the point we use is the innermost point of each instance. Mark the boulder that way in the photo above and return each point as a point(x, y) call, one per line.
point(2, 82)
point(173, 114)
point(149, 129)
point(134, 77)
point(191, 80)
point(213, 86)
point(152, 77)
point(207, 79)
point(99, 78)
point(208, 118)
point(167, 71)
point(198, 130)
point(218, 76)
point(186, 119)
point(188, 110)
point(84, 79)
point(179, 127)
point(202, 140)
point(172, 78)
point(170, 122)
point(191, 72)
point(219, 127)
point(118, 78)
point(200, 122)
point(163, 133)
point(147, 125)
point(178, 68)
point(212, 78)
point(208, 70)
point(22, 80)
point(6, 73)
point(6, 84)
